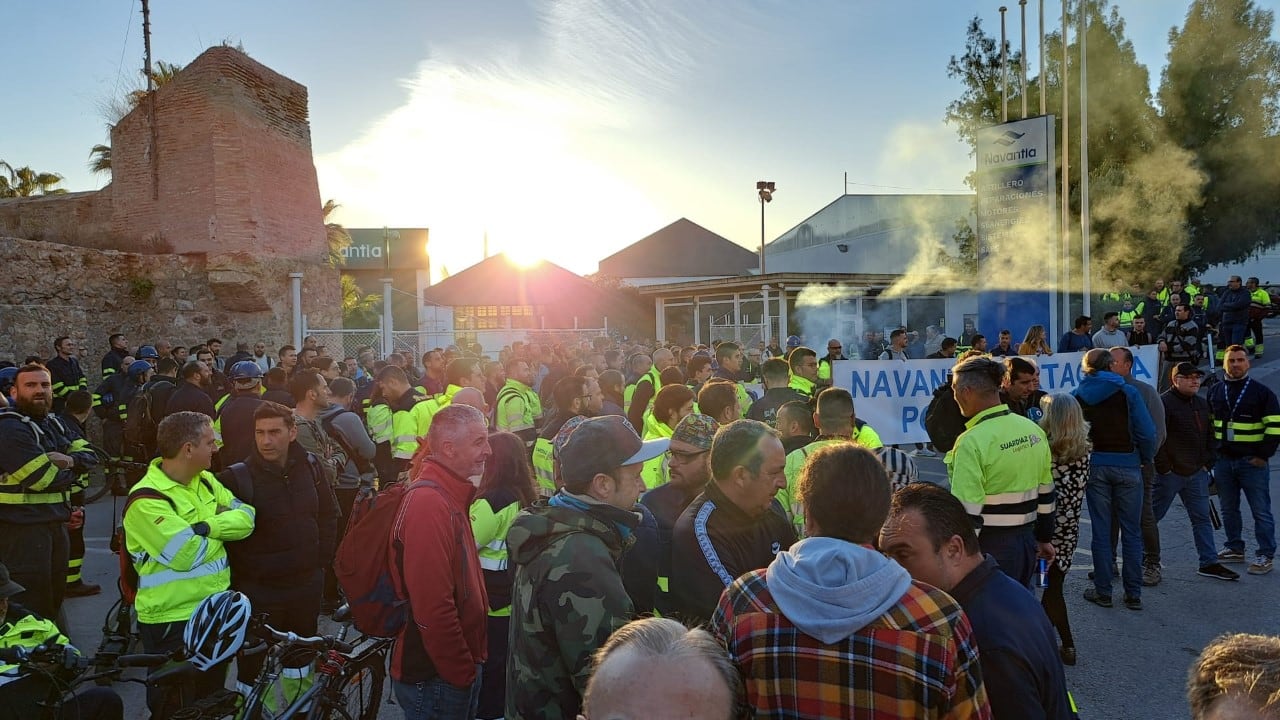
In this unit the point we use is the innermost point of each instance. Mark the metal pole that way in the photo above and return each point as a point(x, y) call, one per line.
point(762, 234)
point(1022, 11)
point(1066, 177)
point(295, 296)
point(1004, 68)
point(388, 325)
point(151, 101)
point(1085, 272)
point(1041, 66)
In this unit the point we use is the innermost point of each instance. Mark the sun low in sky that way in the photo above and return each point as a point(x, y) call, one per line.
point(564, 129)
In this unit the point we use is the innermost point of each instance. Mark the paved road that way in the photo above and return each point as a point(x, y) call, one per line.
point(1132, 665)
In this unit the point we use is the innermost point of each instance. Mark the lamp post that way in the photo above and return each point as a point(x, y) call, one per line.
point(766, 189)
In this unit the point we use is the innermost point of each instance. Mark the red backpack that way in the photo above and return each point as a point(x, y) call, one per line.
point(119, 545)
point(369, 561)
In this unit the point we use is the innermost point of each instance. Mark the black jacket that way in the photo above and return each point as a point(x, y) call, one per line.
point(766, 408)
point(191, 398)
point(942, 419)
point(236, 424)
point(713, 543)
point(1020, 663)
point(279, 396)
point(1188, 446)
point(665, 503)
point(640, 564)
point(67, 377)
point(295, 527)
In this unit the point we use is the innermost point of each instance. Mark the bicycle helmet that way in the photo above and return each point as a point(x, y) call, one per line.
point(246, 370)
point(138, 368)
point(8, 376)
point(217, 628)
point(148, 352)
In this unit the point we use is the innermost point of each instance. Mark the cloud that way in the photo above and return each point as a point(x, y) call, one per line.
point(518, 144)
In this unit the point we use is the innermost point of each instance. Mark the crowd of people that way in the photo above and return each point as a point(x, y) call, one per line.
point(555, 496)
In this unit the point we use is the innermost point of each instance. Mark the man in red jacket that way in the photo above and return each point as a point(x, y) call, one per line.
point(435, 668)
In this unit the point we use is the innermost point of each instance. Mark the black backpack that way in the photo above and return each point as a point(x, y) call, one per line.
point(140, 425)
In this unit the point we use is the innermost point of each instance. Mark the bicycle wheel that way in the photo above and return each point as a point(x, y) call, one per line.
point(357, 691)
point(99, 486)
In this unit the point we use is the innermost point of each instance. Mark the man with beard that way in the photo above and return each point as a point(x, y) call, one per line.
point(36, 476)
point(689, 470)
point(192, 393)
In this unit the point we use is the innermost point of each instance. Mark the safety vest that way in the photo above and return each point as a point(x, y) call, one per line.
point(408, 425)
point(178, 568)
point(377, 419)
point(864, 436)
point(802, 385)
point(433, 405)
point(824, 371)
point(655, 378)
point(28, 485)
point(490, 527)
point(28, 632)
point(1191, 291)
point(656, 471)
point(544, 467)
point(1260, 298)
point(516, 390)
point(1126, 318)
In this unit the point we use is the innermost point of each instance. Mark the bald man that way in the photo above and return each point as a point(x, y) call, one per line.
point(659, 661)
point(640, 394)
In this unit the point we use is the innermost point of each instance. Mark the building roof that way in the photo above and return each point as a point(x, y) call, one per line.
point(500, 281)
point(878, 234)
point(681, 249)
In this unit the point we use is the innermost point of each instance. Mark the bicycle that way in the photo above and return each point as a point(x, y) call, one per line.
point(349, 677)
point(116, 475)
point(64, 669)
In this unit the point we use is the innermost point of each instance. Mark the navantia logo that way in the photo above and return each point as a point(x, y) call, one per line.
point(997, 158)
point(1008, 138)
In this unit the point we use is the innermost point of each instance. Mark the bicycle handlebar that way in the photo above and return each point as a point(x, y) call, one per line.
point(314, 642)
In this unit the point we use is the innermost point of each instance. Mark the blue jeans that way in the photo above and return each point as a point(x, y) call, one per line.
point(437, 699)
point(1118, 490)
point(1194, 491)
point(1232, 476)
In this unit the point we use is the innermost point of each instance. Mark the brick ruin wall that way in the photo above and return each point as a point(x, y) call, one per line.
point(238, 210)
point(52, 289)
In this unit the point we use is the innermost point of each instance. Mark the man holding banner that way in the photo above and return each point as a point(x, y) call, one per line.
point(1000, 470)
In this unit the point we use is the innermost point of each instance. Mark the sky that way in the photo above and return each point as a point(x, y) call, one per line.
point(566, 130)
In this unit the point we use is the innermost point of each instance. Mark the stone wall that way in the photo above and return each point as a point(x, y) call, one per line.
point(82, 218)
point(52, 289)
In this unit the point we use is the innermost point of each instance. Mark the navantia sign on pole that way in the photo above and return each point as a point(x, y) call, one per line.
point(1017, 227)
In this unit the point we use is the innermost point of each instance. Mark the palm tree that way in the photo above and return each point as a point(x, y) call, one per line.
point(25, 182)
point(358, 309)
point(100, 159)
point(338, 237)
point(161, 74)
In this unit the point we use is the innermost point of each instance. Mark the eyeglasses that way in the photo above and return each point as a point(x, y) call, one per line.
point(685, 456)
point(834, 347)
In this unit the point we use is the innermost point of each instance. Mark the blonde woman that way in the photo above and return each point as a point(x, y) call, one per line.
point(1034, 343)
point(1068, 433)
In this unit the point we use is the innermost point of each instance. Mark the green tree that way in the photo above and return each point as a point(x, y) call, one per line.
point(359, 310)
point(1219, 95)
point(1142, 184)
point(337, 236)
point(25, 182)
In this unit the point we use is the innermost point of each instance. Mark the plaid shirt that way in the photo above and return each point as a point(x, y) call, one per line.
point(918, 660)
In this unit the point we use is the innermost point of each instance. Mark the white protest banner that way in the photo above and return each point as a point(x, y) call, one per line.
point(892, 395)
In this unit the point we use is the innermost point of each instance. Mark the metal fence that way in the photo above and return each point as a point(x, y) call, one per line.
point(346, 343)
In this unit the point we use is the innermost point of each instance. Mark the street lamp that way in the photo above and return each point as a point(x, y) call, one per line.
point(766, 189)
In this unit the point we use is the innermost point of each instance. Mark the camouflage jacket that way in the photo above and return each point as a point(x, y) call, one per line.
point(568, 598)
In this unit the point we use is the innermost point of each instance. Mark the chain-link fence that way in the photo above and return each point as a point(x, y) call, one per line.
point(346, 343)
